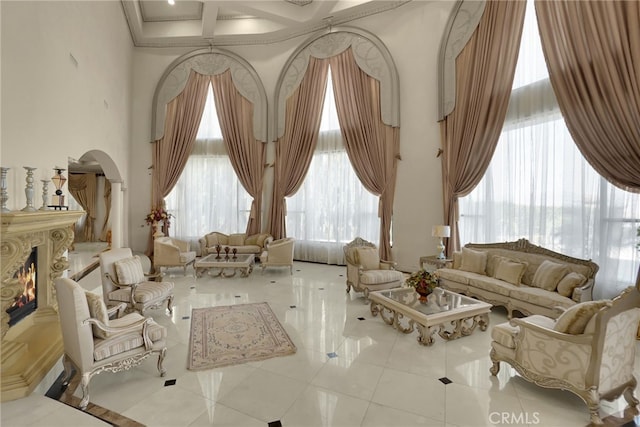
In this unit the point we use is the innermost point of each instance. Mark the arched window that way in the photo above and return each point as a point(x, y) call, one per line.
point(539, 186)
point(208, 196)
point(332, 207)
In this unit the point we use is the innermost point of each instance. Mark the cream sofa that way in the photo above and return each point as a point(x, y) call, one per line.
point(520, 276)
point(254, 244)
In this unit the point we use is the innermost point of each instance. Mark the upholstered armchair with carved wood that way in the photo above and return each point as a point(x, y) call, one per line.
point(94, 343)
point(170, 252)
point(123, 280)
point(589, 350)
point(278, 253)
point(366, 271)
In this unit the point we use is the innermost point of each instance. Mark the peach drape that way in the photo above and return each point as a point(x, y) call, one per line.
point(484, 76)
point(171, 152)
point(294, 150)
point(83, 188)
point(592, 50)
point(107, 205)
point(372, 146)
point(247, 154)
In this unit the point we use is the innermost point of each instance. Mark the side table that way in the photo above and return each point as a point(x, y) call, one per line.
point(435, 261)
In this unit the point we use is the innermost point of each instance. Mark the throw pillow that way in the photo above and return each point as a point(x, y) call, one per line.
point(548, 275)
point(237, 239)
point(473, 261)
point(457, 260)
point(575, 318)
point(252, 240)
point(212, 240)
point(129, 270)
point(262, 238)
point(368, 258)
point(509, 270)
point(216, 238)
point(568, 283)
point(98, 311)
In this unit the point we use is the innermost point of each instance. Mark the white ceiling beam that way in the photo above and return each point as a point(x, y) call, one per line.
point(209, 18)
point(276, 12)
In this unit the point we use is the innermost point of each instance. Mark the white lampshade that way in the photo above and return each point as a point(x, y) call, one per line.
point(441, 231)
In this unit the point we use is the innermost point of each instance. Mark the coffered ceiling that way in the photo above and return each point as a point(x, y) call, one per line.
point(156, 23)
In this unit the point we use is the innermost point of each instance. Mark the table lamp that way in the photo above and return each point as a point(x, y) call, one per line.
point(441, 231)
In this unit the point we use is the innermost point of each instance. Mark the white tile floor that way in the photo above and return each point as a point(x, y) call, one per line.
point(380, 377)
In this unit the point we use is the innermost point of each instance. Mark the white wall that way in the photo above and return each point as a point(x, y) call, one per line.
point(412, 33)
point(53, 108)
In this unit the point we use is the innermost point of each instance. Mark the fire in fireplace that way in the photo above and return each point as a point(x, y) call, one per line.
point(27, 301)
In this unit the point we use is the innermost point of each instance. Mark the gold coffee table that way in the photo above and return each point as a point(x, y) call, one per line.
point(242, 263)
point(450, 314)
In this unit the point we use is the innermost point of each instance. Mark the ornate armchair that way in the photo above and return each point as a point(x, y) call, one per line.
point(589, 350)
point(279, 253)
point(93, 343)
point(366, 271)
point(169, 252)
point(123, 280)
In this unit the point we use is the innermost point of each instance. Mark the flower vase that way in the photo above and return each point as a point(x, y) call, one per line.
point(424, 297)
point(157, 230)
point(424, 292)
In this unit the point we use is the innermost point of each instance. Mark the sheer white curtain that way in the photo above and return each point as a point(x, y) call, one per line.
point(332, 207)
point(208, 196)
point(539, 186)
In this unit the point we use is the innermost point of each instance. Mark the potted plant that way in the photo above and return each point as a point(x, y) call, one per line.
point(424, 282)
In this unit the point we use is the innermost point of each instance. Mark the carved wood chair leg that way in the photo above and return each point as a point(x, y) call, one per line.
point(495, 367)
point(170, 304)
point(630, 398)
point(161, 369)
point(85, 390)
point(68, 370)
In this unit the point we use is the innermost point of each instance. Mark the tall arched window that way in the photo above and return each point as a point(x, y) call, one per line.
point(208, 196)
point(539, 186)
point(332, 207)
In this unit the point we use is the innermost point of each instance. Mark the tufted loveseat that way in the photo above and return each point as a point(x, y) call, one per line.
point(520, 276)
point(254, 244)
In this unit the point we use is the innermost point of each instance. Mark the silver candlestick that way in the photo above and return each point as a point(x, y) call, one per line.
point(45, 194)
point(4, 197)
point(29, 191)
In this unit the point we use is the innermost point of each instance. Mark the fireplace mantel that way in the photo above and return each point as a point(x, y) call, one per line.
point(31, 347)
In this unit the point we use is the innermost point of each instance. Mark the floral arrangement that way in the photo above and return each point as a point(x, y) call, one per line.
point(156, 215)
point(422, 281)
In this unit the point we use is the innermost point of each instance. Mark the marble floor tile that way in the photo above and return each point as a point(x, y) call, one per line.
point(321, 407)
point(350, 369)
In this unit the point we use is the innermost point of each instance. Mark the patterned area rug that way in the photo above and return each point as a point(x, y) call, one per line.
point(222, 336)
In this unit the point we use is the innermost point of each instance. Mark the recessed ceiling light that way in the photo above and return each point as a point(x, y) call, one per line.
point(171, 2)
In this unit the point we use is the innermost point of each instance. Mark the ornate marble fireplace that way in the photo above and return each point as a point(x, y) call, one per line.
point(33, 345)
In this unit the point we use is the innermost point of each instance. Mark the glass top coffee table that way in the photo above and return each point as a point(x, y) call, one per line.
point(226, 266)
point(450, 314)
